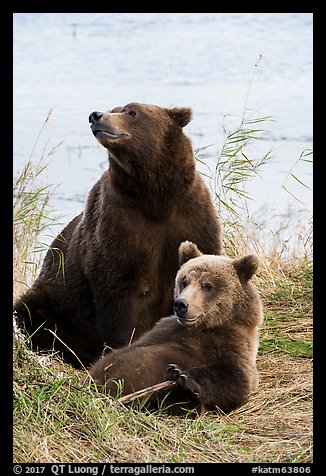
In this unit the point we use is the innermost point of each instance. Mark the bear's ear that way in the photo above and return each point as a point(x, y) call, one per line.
point(246, 267)
point(187, 251)
point(181, 115)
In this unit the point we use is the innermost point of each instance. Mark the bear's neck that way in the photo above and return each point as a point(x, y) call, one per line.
point(155, 191)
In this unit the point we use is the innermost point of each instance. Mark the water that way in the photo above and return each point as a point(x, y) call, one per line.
point(75, 63)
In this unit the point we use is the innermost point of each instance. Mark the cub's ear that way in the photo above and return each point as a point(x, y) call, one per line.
point(246, 267)
point(187, 251)
point(181, 115)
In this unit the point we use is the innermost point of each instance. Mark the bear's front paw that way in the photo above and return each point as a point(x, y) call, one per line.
point(173, 372)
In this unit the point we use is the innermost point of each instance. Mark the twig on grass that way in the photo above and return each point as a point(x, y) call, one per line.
point(144, 392)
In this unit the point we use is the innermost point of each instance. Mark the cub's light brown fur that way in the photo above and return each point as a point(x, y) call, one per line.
point(209, 347)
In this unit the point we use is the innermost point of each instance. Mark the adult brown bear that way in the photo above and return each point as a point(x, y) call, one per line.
point(109, 275)
point(208, 348)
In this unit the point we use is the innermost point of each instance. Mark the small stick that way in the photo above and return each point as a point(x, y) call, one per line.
point(147, 391)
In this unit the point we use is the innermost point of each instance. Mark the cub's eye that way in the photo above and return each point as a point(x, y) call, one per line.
point(132, 113)
point(183, 284)
point(207, 286)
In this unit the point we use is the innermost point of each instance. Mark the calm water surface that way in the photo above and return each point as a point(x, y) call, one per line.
point(75, 63)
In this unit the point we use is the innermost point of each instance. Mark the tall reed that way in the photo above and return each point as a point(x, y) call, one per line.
point(32, 214)
point(238, 162)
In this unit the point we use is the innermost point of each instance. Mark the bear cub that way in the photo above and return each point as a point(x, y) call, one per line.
point(208, 347)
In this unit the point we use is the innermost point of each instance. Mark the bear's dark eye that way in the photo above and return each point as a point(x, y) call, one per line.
point(132, 113)
point(207, 286)
point(183, 284)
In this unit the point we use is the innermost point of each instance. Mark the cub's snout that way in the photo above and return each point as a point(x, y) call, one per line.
point(180, 306)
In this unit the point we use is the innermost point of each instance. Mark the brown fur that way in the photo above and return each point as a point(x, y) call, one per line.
point(121, 253)
point(210, 350)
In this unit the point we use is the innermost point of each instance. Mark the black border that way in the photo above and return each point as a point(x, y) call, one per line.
point(7, 247)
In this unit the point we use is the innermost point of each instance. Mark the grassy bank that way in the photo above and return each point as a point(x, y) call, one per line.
point(60, 417)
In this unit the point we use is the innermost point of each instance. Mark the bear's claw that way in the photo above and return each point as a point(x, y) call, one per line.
point(173, 372)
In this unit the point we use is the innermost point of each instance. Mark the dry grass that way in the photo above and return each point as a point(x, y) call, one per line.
point(65, 422)
point(277, 421)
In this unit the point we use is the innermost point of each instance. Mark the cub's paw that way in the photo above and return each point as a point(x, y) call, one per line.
point(173, 372)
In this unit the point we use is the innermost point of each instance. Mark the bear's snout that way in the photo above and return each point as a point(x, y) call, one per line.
point(95, 116)
point(180, 306)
